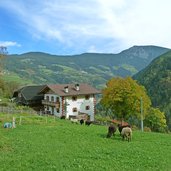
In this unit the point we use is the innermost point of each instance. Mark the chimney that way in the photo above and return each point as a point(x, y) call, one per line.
point(66, 89)
point(77, 87)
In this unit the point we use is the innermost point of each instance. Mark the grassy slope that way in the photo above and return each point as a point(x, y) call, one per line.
point(13, 77)
point(63, 146)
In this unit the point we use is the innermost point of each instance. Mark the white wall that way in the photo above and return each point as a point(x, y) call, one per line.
point(80, 104)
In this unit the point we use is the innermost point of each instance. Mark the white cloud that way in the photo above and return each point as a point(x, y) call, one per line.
point(148, 23)
point(117, 24)
point(92, 49)
point(9, 43)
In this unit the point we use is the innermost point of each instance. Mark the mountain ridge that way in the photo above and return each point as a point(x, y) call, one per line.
point(92, 68)
point(156, 78)
point(130, 48)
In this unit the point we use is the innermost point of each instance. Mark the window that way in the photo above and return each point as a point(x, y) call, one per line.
point(52, 99)
point(87, 97)
point(57, 99)
point(87, 107)
point(57, 110)
point(47, 98)
point(52, 111)
point(74, 98)
point(74, 109)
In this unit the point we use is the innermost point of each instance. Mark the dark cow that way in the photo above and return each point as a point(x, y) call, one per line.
point(111, 131)
point(88, 123)
point(62, 117)
point(82, 121)
point(120, 127)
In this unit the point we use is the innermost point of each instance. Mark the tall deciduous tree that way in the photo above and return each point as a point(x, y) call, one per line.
point(3, 53)
point(2, 87)
point(122, 96)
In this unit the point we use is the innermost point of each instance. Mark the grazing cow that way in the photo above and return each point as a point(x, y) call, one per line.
point(88, 123)
point(82, 121)
point(111, 131)
point(120, 127)
point(126, 134)
point(62, 117)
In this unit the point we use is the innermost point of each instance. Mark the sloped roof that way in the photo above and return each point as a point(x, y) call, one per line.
point(31, 92)
point(84, 89)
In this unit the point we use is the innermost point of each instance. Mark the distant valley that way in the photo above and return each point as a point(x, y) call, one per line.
point(92, 68)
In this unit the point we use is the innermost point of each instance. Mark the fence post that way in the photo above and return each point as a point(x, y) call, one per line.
point(13, 122)
point(20, 120)
point(46, 118)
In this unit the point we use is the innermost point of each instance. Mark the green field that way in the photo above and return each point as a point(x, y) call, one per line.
point(60, 145)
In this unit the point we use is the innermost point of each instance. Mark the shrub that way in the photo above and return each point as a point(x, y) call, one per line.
point(147, 129)
point(102, 118)
point(134, 127)
point(4, 104)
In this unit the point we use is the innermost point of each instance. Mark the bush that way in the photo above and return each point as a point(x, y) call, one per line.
point(147, 129)
point(4, 104)
point(134, 127)
point(162, 130)
point(102, 118)
point(156, 120)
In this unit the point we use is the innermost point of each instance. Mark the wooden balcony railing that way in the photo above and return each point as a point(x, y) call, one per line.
point(49, 103)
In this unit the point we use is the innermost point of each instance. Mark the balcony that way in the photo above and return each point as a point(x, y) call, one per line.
point(49, 103)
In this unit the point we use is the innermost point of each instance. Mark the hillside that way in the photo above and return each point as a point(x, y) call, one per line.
point(60, 145)
point(157, 79)
point(91, 68)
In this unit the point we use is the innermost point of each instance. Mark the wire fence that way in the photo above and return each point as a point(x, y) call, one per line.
point(27, 119)
point(28, 116)
point(24, 116)
point(12, 110)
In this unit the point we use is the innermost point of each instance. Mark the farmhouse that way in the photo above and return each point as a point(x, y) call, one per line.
point(29, 96)
point(69, 100)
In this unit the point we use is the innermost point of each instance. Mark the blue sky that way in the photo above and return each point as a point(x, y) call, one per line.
point(67, 27)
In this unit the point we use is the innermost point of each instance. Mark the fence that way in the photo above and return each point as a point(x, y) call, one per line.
point(34, 119)
point(11, 110)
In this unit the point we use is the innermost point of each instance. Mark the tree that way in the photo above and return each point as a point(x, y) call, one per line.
point(3, 53)
point(2, 87)
point(155, 120)
point(122, 96)
point(10, 87)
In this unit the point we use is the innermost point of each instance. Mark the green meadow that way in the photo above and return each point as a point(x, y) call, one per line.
point(42, 143)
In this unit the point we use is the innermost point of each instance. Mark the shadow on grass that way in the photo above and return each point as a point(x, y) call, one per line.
point(115, 137)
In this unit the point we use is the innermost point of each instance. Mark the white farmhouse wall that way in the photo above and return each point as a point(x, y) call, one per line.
point(80, 104)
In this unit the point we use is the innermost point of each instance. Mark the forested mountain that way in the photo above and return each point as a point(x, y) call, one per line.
point(93, 68)
point(157, 79)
